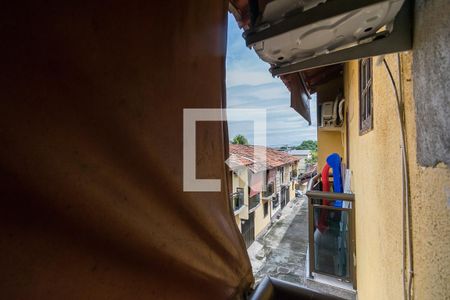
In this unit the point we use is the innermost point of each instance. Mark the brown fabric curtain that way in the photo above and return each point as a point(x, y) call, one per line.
point(92, 206)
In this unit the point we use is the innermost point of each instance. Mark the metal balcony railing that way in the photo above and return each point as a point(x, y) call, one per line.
point(237, 199)
point(331, 218)
point(273, 289)
point(269, 190)
point(276, 201)
point(253, 202)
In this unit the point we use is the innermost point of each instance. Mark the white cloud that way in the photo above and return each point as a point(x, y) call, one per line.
point(238, 77)
point(250, 85)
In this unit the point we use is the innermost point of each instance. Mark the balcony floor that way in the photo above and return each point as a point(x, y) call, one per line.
point(282, 251)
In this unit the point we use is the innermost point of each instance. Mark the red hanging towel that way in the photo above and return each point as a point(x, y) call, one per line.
point(322, 225)
point(325, 181)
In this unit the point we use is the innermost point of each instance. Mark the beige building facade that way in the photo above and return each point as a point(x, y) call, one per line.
point(259, 195)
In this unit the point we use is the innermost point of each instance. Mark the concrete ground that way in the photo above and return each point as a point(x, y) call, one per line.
point(282, 251)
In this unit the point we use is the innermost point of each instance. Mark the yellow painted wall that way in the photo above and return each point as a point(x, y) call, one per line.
point(375, 161)
point(239, 182)
point(292, 191)
point(328, 142)
point(287, 173)
point(292, 167)
point(238, 222)
point(261, 222)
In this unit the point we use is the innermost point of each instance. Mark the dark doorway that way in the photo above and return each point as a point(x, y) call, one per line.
point(248, 229)
point(284, 196)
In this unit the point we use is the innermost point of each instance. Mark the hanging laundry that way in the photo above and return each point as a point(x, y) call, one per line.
point(334, 161)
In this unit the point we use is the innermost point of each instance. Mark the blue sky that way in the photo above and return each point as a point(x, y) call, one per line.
point(250, 85)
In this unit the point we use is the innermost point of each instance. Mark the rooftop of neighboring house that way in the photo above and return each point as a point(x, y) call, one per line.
point(243, 155)
point(299, 152)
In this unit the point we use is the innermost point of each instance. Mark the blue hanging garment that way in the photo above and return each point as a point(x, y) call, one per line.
point(334, 161)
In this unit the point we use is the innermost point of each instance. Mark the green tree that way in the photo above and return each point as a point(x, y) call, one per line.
point(240, 140)
point(313, 158)
point(307, 145)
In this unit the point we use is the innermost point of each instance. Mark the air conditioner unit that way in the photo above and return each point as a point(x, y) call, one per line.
point(331, 114)
point(294, 35)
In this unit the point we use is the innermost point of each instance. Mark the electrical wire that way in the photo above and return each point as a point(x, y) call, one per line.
point(407, 241)
point(404, 234)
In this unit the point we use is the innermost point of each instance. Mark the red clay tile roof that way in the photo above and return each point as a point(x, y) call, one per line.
point(242, 155)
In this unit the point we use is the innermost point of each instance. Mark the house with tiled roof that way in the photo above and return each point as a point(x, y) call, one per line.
point(303, 156)
point(262, 185)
